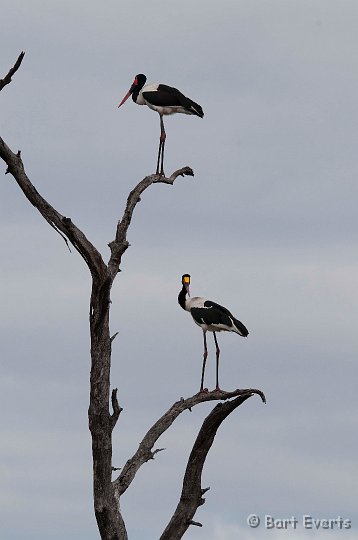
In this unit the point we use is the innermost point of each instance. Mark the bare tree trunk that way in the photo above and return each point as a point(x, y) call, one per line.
point(107, 493)
point(101, 422)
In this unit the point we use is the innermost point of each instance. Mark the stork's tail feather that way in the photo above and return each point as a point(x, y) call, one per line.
point(196, 109)
point(242, 330)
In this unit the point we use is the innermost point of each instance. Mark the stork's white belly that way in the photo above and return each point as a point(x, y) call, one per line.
point(167, 110)
point(213, 327)
point(195, 301)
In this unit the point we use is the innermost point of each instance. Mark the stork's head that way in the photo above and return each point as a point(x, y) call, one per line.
point(186, 282)
point(138, 83)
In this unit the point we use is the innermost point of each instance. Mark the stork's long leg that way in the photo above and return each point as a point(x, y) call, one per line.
point(159, 155)
point(161, 147)
point(204, 361)
point(162, 162)
point(217, 362)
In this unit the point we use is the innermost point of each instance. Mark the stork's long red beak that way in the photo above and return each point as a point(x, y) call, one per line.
point(125, 97)
point(130, 92)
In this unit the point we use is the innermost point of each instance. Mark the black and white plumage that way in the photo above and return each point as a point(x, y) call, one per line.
point(211, 317)
point(164, 100)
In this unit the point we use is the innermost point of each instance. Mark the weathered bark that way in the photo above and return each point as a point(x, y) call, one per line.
point(109, 519)
point(107, 493)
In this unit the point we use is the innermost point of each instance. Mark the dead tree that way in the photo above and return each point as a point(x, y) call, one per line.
point(106, 491)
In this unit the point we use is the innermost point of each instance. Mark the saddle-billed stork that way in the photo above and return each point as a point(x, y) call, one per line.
point(164, 100)
point(210, 317)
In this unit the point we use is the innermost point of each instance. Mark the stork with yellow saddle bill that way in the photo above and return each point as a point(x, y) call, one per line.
point(211, 317)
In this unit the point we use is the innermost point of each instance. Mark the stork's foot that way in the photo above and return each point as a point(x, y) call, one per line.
point(218, 389)
point(203, 391)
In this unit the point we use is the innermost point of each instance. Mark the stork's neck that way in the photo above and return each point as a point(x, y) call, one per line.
point(182, 297)
point(136, 94)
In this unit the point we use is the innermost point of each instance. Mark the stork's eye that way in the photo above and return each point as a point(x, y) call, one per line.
point(186, 279)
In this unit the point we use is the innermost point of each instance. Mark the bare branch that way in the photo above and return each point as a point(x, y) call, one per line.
point(184, 171)
point(7, 79)
point(116, 408)
point(157, 450)
point(114, 336)
point(60, 223)
point(119, 245)
point(191, 522)
point(192, 493)
point(144, 452)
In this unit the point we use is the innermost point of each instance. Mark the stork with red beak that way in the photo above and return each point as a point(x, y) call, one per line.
point(164, 100)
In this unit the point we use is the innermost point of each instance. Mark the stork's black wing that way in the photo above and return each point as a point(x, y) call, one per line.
point(241, 327)
point(167, 96)
point(212, 313)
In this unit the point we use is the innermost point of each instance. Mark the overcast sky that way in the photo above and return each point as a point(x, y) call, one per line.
point(267, 227)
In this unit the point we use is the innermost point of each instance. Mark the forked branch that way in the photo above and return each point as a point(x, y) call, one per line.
point(145, 449)
point(192, 493)
point(119, 245)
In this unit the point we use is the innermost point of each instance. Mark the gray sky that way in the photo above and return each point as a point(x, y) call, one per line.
point(268, 227)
